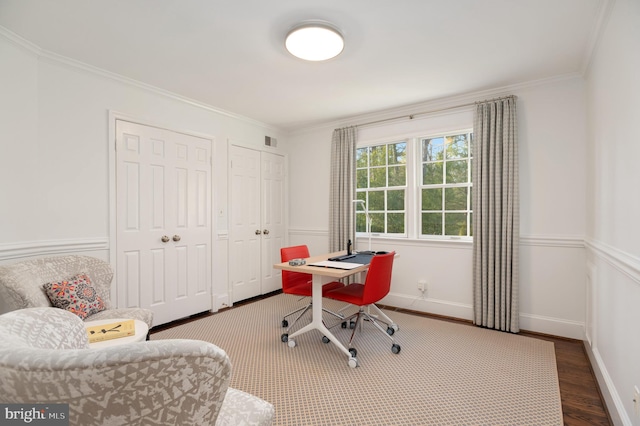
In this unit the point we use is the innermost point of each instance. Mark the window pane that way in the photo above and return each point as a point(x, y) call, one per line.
point(431, 223)
point(457, 147)
point(362, 157)
point(377, 222)
point(361, 178)
point(361, 222)
point(378, 177)
point(432, 199)
point(455, 198)
point(397, 175)
point(470, 224)
point(395, 223)
point(432, 149)
point(455, 224)
point(397, 153)
point(395, 200)
point(376, 201)
point(378, 156)
point(457, 171)
point(432, 173)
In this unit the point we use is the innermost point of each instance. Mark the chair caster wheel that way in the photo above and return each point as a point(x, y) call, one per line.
point(353, 352)
point(344, 324)
point(284, 337)
point(352, 325)
point(325, 339)
point(353, 362)
point(395, 348)
point(390, 331)
point(291, 343)
point(285, 323)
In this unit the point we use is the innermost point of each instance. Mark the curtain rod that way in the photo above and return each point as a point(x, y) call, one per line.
point(412, 116)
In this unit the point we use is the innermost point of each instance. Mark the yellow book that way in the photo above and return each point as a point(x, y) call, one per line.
point(114, 330)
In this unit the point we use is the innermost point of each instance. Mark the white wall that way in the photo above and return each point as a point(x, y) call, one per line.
point(55, 152)
point(613, 233)
point(552, 133)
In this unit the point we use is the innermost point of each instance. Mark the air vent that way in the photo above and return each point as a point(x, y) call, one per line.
point(269, 141)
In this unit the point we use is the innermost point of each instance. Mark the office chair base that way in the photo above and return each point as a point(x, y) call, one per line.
point(361, 316)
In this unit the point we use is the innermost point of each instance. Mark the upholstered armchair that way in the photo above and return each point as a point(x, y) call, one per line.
point(45, 358)
point(21, 284)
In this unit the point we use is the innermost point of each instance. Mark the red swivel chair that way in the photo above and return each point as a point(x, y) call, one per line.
point(376, 286)
point(299, 284)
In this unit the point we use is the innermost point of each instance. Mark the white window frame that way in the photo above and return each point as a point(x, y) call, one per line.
point(413, 187)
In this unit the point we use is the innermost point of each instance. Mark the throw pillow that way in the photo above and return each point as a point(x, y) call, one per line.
point(76, 295)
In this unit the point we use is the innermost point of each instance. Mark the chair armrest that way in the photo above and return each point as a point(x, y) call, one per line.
point(241, 408)
point(166, 381)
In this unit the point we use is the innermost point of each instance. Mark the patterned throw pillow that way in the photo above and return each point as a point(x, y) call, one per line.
point(76, 295)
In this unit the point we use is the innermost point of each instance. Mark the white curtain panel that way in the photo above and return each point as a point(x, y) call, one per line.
point(496, 215)
point(343, 188)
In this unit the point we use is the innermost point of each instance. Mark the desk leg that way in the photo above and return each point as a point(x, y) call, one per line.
point(317, 323)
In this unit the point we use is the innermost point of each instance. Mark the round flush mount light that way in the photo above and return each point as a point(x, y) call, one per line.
point(314, 41)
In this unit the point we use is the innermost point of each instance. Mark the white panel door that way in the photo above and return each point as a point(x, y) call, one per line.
point(163, 251)
point(273, 217)
point(257, 221)
point(246, 231)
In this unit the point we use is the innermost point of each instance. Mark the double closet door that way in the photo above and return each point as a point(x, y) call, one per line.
point(163, 219)
point(257, 221)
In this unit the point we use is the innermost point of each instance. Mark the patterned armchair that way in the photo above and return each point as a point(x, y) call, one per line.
point(21, 284)
point(45, 358)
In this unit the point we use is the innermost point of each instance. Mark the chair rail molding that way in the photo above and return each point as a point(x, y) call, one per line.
point(51, 247)
point(620, 260)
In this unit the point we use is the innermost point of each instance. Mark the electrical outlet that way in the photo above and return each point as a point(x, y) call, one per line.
point(636, 401)
point(422, 285)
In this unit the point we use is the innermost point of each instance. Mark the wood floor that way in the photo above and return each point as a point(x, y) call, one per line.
point(582, 402)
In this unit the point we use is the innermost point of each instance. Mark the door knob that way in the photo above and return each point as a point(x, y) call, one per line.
point(258, 232)
point(265, 232)
point(176, 238)
point(164, 238)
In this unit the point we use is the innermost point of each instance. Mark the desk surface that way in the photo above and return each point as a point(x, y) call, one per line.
point(326, 272)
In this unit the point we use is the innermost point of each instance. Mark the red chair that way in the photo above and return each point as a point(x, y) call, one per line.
point(376, 286)
point(299, 284)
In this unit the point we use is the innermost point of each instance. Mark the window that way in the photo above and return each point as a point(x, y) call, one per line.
point(417, 188)
point(445, 186)
point(381, 175)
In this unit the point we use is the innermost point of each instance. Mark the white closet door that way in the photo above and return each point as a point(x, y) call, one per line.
point(273, 218)
point(163, 221)
point(257, 221)
point(246, 228)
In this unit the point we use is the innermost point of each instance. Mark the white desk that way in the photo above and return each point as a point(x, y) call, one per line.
point(321, 276)
point(142, 329)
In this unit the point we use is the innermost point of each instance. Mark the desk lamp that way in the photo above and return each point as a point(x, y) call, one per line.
point(366, 212)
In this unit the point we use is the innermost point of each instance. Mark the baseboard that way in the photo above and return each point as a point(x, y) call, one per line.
point(535, 323)
point(553, 326)
point(52, 247)
point(611, 398)
point(428, 305)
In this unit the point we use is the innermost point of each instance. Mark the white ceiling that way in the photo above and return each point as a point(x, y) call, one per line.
point(230, 54)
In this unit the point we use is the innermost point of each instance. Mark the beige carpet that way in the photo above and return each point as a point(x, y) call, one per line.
point(445, 374)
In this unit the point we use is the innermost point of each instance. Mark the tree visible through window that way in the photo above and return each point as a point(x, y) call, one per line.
point(445, 187)
point(381, 174)
point(417, 187)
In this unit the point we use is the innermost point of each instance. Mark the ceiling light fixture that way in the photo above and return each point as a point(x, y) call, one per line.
point(314, 41)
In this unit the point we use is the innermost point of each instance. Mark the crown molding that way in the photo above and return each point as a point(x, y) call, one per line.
point(57, 59)
point(604, 12)
point(439, 106)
